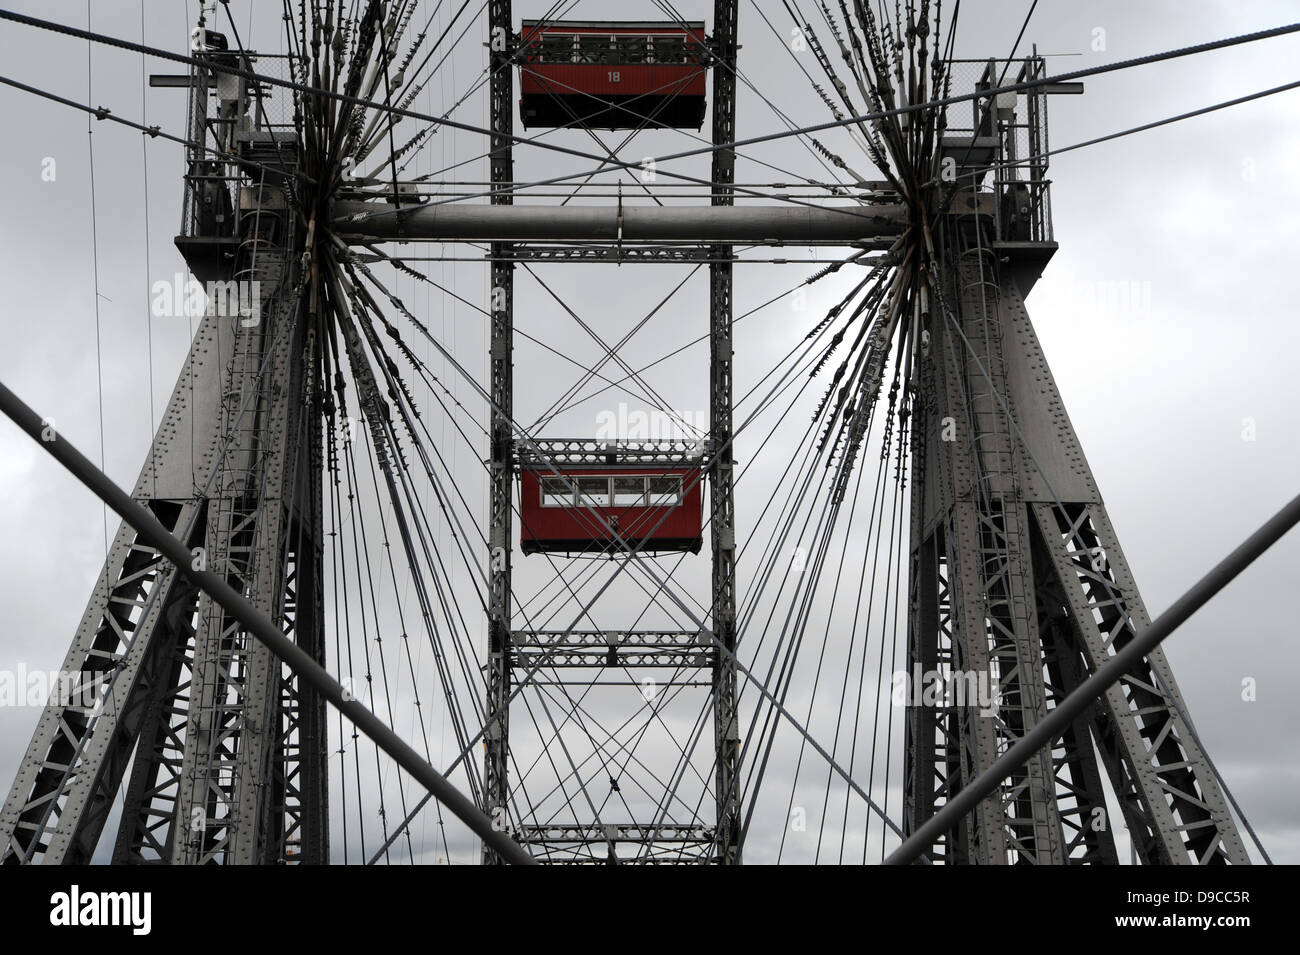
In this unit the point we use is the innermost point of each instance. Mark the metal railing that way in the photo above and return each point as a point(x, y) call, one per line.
point(1017, 171)
point(221, 136)
point(614, 49)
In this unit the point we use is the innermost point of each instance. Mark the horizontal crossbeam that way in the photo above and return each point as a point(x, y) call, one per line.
point(595, 832)
point(359, 222)
point(609, 253)
point(612, 648)
point(546, 452)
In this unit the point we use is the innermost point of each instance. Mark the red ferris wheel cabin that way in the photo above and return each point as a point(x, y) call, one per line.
point(612, 75)
point(571, 500)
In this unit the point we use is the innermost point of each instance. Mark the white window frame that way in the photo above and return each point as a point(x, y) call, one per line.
point(542, 494)
point(613, 495)
point(675, 478)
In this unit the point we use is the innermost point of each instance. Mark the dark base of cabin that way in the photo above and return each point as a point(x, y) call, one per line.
point(612, 112)
point(674, 545)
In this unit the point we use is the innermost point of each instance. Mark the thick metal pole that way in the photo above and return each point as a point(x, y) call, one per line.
point(1081, 699)
point(726, 734)
point(778, 223)
point(496, 744)
point(259, 625)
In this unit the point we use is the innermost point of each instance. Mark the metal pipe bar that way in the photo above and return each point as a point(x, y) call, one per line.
point(1058, 720)
point(642, 259)
point(701, 225)
point(259, 625)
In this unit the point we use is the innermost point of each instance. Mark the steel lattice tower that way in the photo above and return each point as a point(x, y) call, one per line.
point(229, 749)
point(1017, 572)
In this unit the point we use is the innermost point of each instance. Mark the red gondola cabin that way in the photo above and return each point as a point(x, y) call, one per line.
point(653, 507)
point(611, 75)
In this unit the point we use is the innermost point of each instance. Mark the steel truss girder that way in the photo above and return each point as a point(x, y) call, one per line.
point(70, 773)
point(542, 452)
point(612, 648)
point(576, 844)
point(546, 833)
point(1007, 583)
point(935, 762)
point(665, 855)
point(1077, 774)
point(608, 253)
point(528, 659)
point(1172, 803)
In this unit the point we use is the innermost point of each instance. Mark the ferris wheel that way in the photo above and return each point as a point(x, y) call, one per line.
point(617, 442)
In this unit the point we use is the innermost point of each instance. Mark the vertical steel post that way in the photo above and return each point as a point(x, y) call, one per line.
point(726, 735)
point(496, 739)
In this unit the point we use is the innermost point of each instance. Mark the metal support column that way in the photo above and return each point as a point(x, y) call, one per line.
point(1019, 584)
point(726, 736)
point(262, 528)
point(496, 739)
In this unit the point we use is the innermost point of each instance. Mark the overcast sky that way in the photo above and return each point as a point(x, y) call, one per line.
point(1168, 316)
